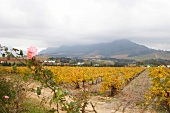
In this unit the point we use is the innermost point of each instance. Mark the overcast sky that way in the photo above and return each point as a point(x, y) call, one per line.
point(49, 23)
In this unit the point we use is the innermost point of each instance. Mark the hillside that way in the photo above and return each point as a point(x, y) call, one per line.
point(159, 55)
point(119, 48)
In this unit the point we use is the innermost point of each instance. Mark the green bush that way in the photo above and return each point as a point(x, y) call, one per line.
point(6, 89)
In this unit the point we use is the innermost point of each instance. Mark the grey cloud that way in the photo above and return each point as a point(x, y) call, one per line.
point(56, 22)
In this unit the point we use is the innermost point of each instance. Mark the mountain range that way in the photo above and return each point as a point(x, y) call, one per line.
point(118, 49)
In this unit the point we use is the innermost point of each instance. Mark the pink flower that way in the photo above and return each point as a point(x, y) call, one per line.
point(31, 51)
point(6, 97)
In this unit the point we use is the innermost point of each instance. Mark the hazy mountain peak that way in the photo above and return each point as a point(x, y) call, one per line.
point(122, 40)
point(119, 47)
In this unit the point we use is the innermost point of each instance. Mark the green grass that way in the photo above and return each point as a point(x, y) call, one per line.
point(32, 106)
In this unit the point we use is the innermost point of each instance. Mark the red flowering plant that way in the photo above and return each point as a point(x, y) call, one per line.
point(31, 52)
point(37, 72)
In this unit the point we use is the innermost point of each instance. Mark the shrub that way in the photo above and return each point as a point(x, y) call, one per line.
point(6, 90)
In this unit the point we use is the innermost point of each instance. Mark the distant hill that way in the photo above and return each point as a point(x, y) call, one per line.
point(117, 49)
point(159, 55)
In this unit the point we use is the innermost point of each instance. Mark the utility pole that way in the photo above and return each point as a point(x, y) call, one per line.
point(0, 49)
point(156, 56)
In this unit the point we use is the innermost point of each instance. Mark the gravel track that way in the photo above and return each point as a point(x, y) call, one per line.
point(130, 100)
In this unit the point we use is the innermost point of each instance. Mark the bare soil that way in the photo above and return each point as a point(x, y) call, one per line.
point(129, 100)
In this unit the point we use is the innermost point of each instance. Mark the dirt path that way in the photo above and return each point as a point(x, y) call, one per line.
point(129, 100)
